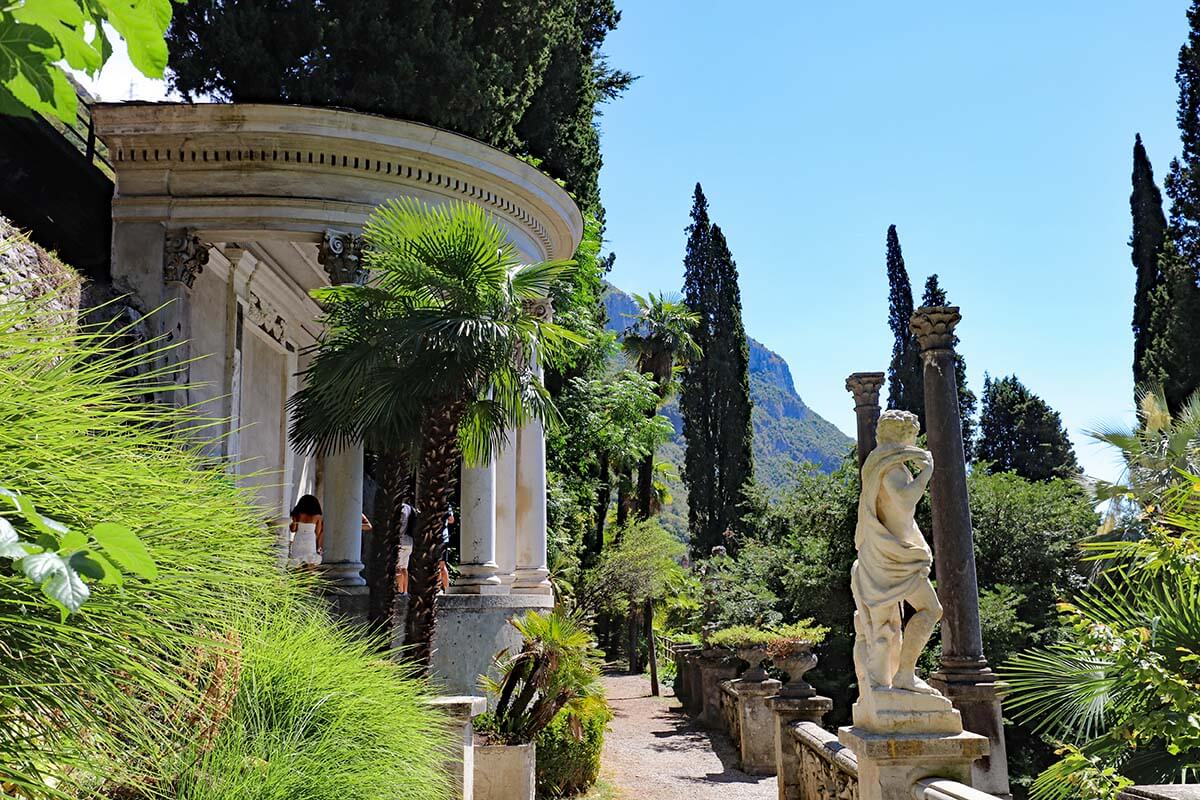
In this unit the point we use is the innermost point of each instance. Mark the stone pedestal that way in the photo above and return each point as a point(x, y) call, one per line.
point(505, 771)
point(890, 763)
point(461, 760)
point(682, 670)
point(755, 724)
point(695, 689)
point(789, 710)
point(471, 630)
point(712, 667)
point(974, 693)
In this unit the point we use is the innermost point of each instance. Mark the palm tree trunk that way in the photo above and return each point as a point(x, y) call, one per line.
point(625, 497)
point(395, 489)
point(438, 471)
point(603, 498)
point(645, 487)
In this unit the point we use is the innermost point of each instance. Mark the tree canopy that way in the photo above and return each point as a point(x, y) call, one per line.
point(1019, 432)
point(525, 77)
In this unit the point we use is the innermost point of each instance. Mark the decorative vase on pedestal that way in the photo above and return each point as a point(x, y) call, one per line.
point(754, 656)
point(795, 664)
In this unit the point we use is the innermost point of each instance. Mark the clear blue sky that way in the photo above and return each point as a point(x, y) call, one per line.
point(997, 139)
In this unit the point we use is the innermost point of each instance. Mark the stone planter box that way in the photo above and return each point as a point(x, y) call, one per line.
point(505, 771)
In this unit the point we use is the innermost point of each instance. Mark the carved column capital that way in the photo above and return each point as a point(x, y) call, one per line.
point(340, 254)
point(184, 257)
point(934, 327)
point(865, 386)
point(541, 309)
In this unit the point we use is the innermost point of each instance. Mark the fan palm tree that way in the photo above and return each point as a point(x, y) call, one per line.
point(659, 340)
point(1156, 453)
point(433, 360)
point(1120, 690)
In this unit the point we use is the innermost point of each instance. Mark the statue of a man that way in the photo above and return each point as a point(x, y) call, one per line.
point(893, 562)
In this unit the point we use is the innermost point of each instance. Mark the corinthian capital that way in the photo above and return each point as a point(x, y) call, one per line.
point(864, 386)
point(541, 309)
point(341, 256)
point(934, 327)
point(184, 257)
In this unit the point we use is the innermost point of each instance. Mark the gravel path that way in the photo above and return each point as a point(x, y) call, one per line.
point(654, 750)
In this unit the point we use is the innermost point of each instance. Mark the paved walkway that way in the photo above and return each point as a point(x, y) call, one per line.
point(654, 750)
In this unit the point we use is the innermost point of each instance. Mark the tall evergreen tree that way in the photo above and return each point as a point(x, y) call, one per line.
point(936, 296)
point(1170, 359)
point(1019, 432)
point(714, 399)
point(1171, 351)
point(1183, 180)
point(905, 388)
point(1146, 241)
point(525, 77)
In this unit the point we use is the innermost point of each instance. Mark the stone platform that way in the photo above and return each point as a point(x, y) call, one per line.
point(471, 630)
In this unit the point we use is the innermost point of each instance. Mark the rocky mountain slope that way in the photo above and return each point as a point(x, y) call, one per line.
point(786, 431)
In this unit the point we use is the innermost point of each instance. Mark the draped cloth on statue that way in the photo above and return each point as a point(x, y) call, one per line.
point(889, 568)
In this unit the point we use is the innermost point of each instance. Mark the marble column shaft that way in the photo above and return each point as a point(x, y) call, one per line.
point(532, 571)
point(342, 560)
point(506, 510)
point(477, 522)
point(964, 676)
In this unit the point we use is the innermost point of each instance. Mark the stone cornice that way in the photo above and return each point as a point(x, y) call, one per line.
point(273, 151)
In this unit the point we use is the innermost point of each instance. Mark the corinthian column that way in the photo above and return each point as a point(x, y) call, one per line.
point(477, 555)
point(864, 386)
point(964, 677)
point(532, 571)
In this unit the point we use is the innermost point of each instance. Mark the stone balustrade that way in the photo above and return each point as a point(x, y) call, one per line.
point(824, 768)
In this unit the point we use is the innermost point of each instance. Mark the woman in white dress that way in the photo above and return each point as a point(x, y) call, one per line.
point(308, 534)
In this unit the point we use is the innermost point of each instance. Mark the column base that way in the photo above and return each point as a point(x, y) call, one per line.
point(974, 693)
point(471, 630)
point(349, 603)
point(890, 763)
point(533, 581)
point(344, 573)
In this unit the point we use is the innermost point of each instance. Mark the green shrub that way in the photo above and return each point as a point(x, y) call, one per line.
point(318, 716)
point(568, 764)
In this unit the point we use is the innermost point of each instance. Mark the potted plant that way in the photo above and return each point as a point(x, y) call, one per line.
point(750, 644)
point(556, 669)
point(792, 651)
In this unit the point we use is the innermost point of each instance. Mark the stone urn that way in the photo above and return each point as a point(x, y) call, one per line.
point(795, 660)
point(505, 771)
point(753, 655)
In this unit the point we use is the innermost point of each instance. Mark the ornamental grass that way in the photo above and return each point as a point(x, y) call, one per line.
point(147, 686)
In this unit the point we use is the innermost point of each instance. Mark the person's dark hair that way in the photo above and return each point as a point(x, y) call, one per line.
point(308, 505)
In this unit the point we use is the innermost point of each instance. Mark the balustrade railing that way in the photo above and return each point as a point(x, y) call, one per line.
point(828, 770)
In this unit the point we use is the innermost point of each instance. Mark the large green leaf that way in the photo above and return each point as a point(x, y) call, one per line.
point(29, 76)
point(125, 548)
point(143, 25)
point(64, 21)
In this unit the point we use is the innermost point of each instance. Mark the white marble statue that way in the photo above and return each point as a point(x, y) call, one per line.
point(893, 568)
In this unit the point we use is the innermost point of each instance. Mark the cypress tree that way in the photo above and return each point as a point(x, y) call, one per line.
point(936, 296)
point(1146, 241)
point(1172, 349)
point(1172, 330)
point(905, 386)
point(1019, 432)
point(1183, 180)
point(714, 398)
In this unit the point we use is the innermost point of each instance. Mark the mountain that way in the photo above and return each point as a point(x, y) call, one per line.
point(786, 431)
